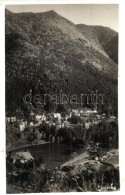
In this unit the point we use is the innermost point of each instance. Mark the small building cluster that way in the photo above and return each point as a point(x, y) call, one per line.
point(87, 116)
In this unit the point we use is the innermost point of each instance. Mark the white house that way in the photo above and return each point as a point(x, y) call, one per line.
point(8, 119)
point(31, 124)
point(75, 111)
point(90, 111)
point(43, 117)
point(38, 117)
point(112, 117)
point(23, 125)
point(11, 119)
point(103, 116)
point(87, 125)
point(57, 115)
point(99, 117)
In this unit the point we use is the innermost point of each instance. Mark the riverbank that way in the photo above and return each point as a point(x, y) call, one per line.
point(63, 155)
point(25, 146)
point(111, 158)
point(80, 159)
point(76, 175)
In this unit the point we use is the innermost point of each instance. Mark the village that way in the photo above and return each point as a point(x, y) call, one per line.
point(77, 126)
point(86, 116)
point(84, 128)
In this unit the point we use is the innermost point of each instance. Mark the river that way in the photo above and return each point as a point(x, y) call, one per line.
point(54, 154)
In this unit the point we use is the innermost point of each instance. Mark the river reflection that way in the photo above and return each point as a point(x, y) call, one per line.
point(54, 154)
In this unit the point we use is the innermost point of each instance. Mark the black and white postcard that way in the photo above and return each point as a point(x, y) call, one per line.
point(61, 97)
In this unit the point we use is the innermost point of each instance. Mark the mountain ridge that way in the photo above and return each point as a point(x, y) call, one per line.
point(53, 15)
point(39, 45)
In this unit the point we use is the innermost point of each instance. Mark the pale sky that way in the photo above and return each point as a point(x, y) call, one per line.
point(90, 14)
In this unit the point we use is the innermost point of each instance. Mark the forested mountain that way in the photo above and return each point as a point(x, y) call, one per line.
point(104, 37)
point(45, 52)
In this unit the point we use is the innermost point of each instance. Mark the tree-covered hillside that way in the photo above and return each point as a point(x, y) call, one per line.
point(47, 53)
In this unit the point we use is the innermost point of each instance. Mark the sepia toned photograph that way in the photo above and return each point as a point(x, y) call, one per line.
point(61, 98)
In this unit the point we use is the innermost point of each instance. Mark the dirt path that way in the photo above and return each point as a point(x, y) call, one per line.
point(81, 159)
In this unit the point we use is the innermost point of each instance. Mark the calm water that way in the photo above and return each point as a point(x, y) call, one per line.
point(54, 154)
